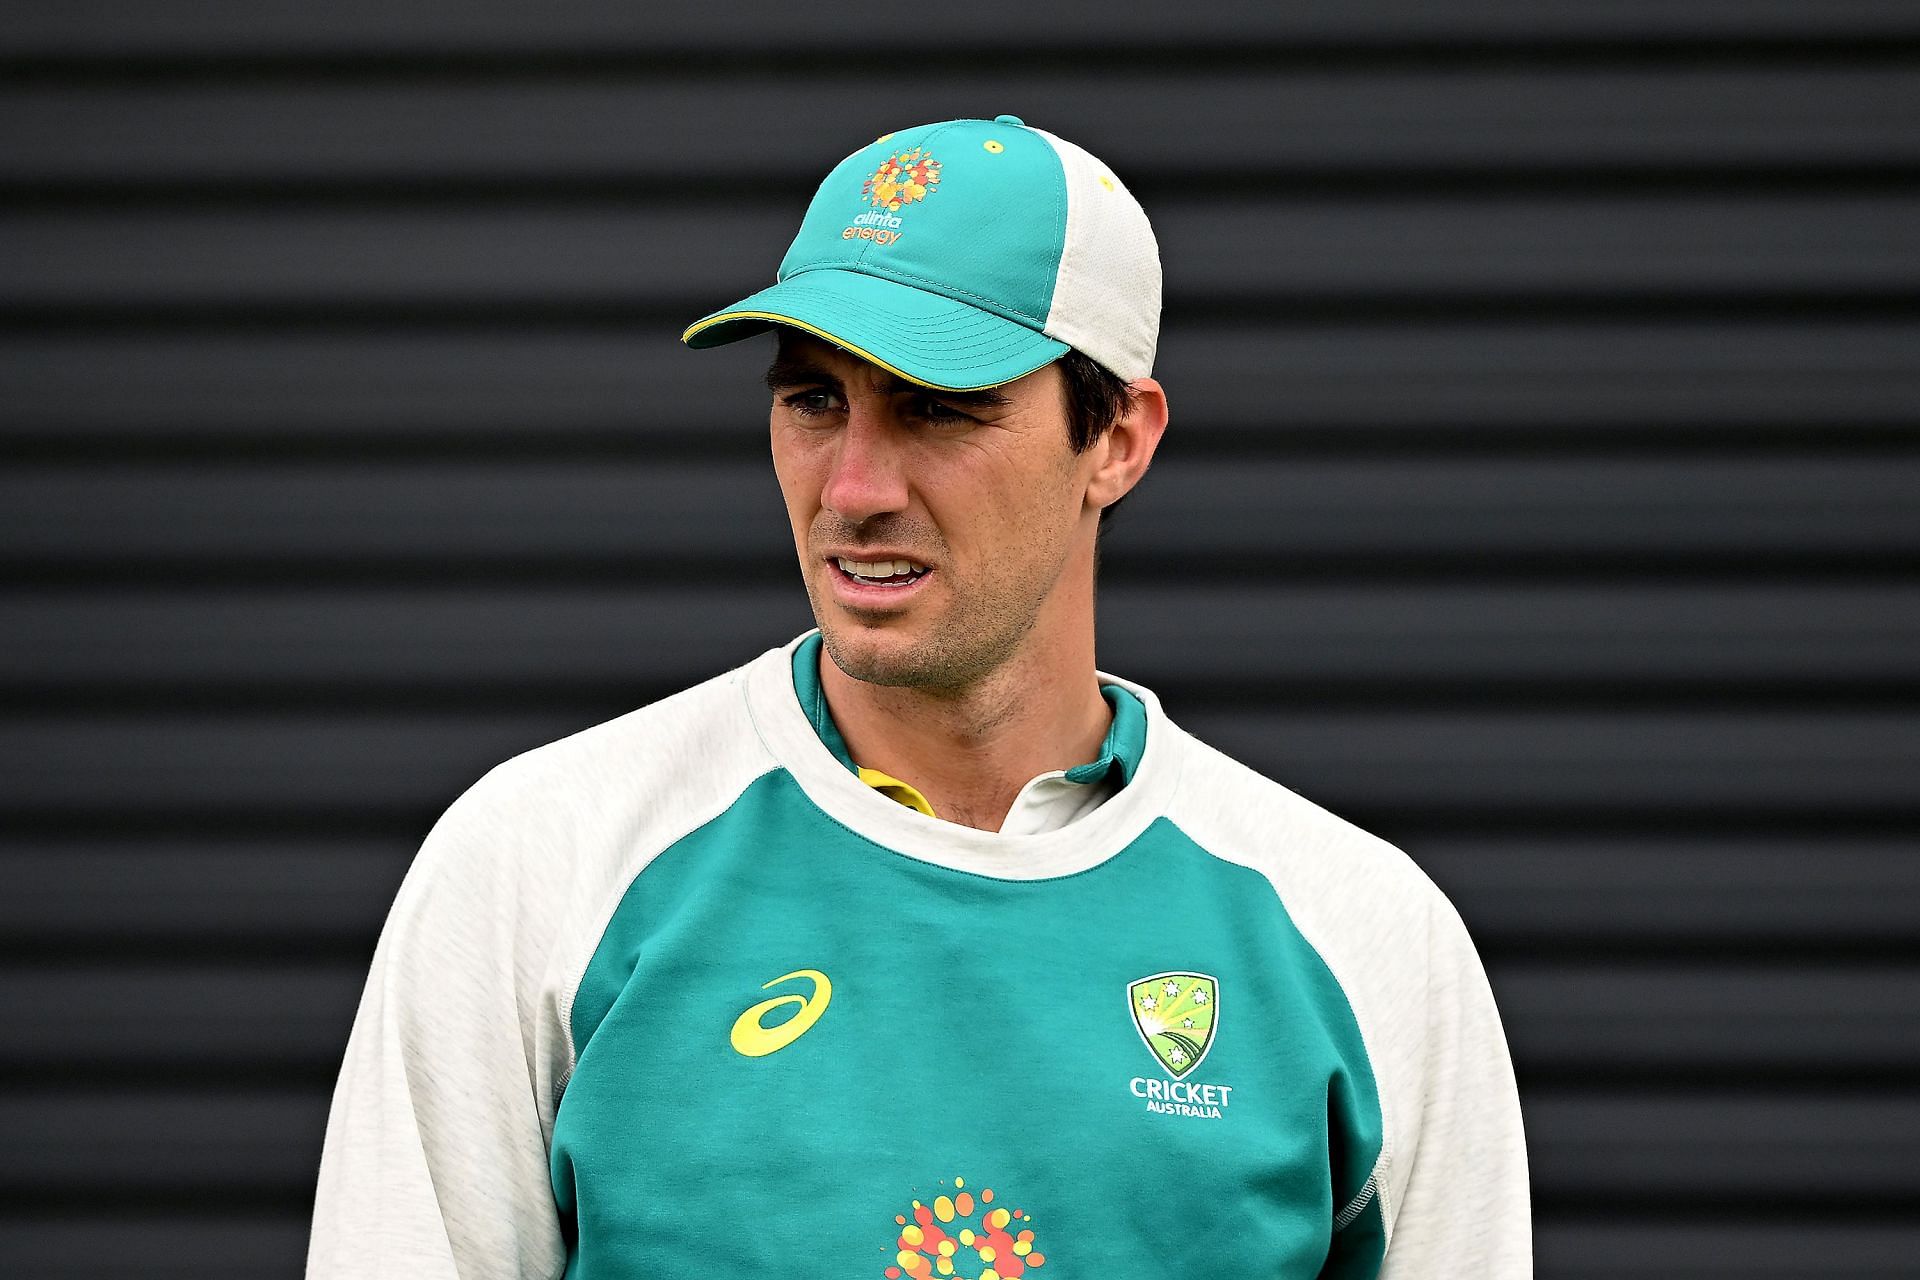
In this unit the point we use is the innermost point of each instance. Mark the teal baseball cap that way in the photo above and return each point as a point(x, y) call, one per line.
point(965, 254)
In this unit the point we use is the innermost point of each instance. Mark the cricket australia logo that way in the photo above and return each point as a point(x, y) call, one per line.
point(1176, 1015)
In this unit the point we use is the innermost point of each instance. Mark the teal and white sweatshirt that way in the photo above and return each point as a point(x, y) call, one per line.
point(687, 994)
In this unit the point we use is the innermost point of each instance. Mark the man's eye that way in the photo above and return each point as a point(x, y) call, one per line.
point(811, 403)
point(938, 412)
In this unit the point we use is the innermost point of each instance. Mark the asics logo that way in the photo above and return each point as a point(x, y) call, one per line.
point(753, 1039)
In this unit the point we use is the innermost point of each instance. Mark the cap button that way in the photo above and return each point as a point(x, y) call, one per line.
point(1010, 120)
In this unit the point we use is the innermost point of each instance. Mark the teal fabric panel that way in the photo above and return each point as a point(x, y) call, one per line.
point(1126, 739)
point(995, 219)
point(813, 699)
point(925, 336)
point(977, 1029)
point(1359, 1248)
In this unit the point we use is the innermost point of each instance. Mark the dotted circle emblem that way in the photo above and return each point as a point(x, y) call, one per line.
point(902, 178)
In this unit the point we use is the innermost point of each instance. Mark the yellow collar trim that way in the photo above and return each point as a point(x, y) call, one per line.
point(894, 789)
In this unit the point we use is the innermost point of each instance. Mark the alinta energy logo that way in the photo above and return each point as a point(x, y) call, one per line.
point(946, 1239)
point(1176, 1015)
point(903, 178)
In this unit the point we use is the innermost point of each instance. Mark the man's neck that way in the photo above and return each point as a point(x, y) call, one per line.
point(970, 751)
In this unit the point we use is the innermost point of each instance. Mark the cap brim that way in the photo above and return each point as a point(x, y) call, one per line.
point(921, 336)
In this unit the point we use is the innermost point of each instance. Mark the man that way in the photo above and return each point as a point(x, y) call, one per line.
point(917, 946)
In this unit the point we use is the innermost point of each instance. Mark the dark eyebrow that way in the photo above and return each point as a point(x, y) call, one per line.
point(784, 372)
point(798, 373)
point(985, 398)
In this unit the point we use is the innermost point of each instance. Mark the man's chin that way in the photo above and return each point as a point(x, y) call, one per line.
point(886, 652)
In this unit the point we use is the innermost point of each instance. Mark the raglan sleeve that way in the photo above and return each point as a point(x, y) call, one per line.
point(434, 1165)
point(1463, 1209)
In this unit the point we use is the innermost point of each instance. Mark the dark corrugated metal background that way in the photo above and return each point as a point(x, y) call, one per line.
point(1541, 493)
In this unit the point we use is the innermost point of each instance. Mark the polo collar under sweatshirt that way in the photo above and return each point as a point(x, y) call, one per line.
point(1047, 802)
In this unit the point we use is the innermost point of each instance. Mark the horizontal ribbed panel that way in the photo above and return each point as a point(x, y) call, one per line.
point(1734, 764)
point(93, 28)
point(632, 383)
point(1250, 257)
point(793, 127)
point(1299, 638)
point(627, 511)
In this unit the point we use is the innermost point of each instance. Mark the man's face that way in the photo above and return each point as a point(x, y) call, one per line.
point(981, 488)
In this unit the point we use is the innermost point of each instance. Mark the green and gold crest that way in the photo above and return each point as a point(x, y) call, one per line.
point(1175, 1014)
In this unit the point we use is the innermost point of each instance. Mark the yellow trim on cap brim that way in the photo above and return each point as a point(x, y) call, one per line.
point(701, 325)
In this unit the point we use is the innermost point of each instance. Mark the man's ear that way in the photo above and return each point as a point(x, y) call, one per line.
point(1126, 448)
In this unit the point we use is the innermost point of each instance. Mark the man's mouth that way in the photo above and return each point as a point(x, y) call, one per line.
point(880, 573)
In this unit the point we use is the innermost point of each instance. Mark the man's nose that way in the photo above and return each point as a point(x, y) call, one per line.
point(868, 476)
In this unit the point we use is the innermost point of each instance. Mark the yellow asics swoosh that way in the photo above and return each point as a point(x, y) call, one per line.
point(753, 1040)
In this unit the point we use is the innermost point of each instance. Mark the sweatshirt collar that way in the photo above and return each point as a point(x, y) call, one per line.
point(1119, 757)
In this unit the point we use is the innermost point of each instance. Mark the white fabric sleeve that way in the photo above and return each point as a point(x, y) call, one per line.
point(1463, 1208)
point(435, 1161)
